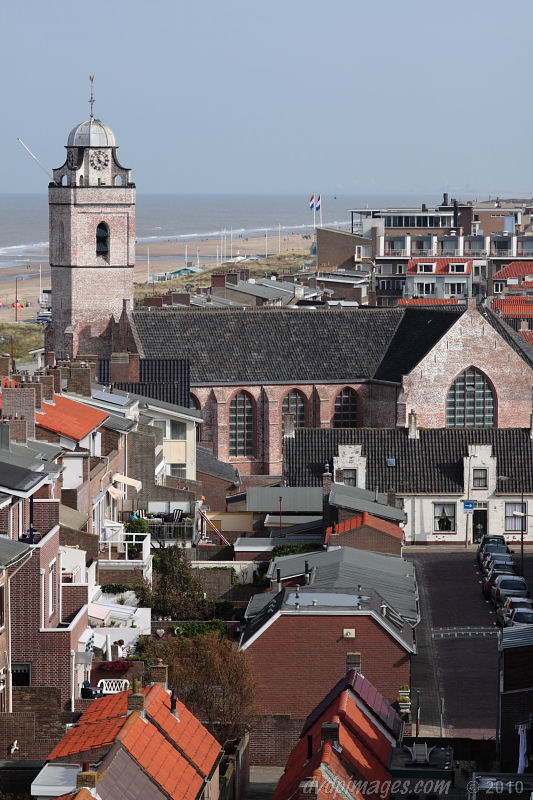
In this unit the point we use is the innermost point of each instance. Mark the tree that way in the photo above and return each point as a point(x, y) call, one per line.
point(213, 680)
point(178, 593)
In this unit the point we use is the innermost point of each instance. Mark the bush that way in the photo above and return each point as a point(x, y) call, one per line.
point(192, 629)
point(294, 549)
point(224, 609)
point(136, 525)
point(114, 588)
point(115, 666)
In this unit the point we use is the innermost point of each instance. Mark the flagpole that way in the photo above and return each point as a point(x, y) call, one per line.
point(320, 210)
point(279, 237)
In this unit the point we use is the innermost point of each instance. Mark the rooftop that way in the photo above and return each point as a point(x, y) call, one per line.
point(69, 418)
point(91, 133)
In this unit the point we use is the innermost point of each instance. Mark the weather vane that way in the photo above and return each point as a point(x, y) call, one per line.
point(91, 101)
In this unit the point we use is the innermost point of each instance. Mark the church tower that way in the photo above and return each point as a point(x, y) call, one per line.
point(92, 242)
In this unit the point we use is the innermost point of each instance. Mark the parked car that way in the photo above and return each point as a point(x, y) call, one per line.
point(508, 586)
point(495, 558)
point(494, 538)
point(508, 605)
point(519, 616)
point(488, 580)
point(499, 549)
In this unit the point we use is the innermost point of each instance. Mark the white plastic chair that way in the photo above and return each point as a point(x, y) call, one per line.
point(113, 685)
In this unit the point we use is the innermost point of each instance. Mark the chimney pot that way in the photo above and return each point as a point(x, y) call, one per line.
point(330, 733)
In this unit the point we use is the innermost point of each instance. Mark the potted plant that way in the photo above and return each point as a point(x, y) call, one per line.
point(405, 704)
point(405, 690)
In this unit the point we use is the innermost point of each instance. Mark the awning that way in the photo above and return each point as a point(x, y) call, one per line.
point(137, 485)
point(116, 493)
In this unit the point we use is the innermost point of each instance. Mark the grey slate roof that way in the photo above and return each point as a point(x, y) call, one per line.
point(265, 499)
point(209, 464)
point(355, 499)
point(119, 424)
point(11, 551)
point(18, 479)
point(431, 464)
point(345, 568)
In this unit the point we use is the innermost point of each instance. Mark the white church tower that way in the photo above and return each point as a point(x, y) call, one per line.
point(92, 242)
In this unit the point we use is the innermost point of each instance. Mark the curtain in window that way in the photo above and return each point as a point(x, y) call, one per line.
point(513, 523)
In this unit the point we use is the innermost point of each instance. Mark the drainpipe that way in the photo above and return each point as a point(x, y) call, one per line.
point(42, 572)
point(73, 682)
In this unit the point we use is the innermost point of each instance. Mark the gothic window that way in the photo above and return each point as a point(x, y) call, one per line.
point(345, 415)
point(102, 240)
point(241, 426)
point(470, 401)
point(293, 403)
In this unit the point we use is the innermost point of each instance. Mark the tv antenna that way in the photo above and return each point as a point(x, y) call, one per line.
point(34, 157)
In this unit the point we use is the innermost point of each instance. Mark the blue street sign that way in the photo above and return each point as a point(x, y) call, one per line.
point(468, 505)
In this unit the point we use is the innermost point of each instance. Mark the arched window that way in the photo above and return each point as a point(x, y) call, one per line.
point(102, 240)
point(345, 409)
point(241, 426)
point(194, 402)
point(118, 180)
point(470, 401)
point(293, 403)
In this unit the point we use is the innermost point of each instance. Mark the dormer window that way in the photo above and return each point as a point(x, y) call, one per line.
point(457, 267)
point(102, 240)
point(426, 267)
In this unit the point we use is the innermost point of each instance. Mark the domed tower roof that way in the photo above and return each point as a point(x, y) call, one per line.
point(92, 133)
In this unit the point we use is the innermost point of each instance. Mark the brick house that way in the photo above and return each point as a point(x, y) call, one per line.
point(515, 698)
point(128, 745)
point(303, 634)
point(12, 556)
point(366, 532)
point(432, 472)
point(346, 743)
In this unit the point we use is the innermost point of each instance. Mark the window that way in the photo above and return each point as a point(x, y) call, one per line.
point(513, 523)
point(353, 661)
point(499, 286)
point(350, 477)
point(162, 425)
point(399, 269)
point(102, 239)
point(293, 403)
point(457, 267)
point(345, 409)
point(21, 674)
point(444, 517)
point(426, 267)
point(479, 480)
point(178, 430)
point(454, 288)
point(424, 288)
point(241, 426)
point(470, 401)
point(384, 285)
point(178, 470)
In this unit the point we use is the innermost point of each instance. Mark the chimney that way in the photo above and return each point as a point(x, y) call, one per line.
point(326, 489)
point(136, 701)
point(308, 789)
point(413, 430)
point(20, 402)
point(87, 778)
point(330, 733)
point(50, 358)
point(159, 673)
point(307, 572)
point(47, 385)
point(278, 577)
point(173, 703)
point(445, 199)
point(391, 497)
point(523, 325)
point(288, 426)
point(383, 609)
point(5, 435)
point(18, 430)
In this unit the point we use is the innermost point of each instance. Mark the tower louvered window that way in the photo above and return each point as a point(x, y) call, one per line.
point(470, 401)
point(293, 403)
point(345, 409)
point(102, 239)
point(241, 426)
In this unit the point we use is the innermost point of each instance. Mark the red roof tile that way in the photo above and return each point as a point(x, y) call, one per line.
point(69, 418)
point(441, 266)
point(177, 755)
point(514, 270)
point(527, 335)
point(514, 307)
point(365, 518)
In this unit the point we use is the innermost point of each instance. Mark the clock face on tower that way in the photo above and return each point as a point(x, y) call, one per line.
point(99, 159)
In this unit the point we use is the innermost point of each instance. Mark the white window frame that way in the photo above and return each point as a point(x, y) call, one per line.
point(450, 509)
point(514, 524)
point(51, 587)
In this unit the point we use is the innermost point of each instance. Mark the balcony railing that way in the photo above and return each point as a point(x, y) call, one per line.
point(163, 532)
point(116, 544)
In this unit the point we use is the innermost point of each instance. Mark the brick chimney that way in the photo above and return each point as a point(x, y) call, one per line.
point(413, 430)
point(5, 435)
point(50, 358)
point(159, 672)
point(391, 497)
point(288, 425)
point(18, 430)
point(87, 778)
point(136, 701)
point(5, 366)
point(47, 384)
point(20, 402)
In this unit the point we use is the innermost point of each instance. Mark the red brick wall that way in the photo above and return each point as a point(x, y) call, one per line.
point(367, 538)
point(75, 595)
point(307, 654)
point(272, 739)
point(45, 514)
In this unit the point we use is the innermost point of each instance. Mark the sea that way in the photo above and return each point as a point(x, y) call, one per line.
point(187, 218)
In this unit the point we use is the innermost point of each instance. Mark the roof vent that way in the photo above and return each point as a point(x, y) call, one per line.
point(391, 462)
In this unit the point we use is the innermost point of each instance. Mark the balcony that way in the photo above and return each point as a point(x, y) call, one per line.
point(164, 533)
point(116, 544)
point(393, 252)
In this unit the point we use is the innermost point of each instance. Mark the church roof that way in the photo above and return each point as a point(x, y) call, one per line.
point(91, 133)
point(281, 346)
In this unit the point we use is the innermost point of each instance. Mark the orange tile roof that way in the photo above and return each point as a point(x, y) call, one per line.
point(527, 335)
point(428, 301)
point(441, 266)
point(514, 270)
point(514, 307)
point(365, 518)
point(177, 755)
point(69, 418)
point(364, 751)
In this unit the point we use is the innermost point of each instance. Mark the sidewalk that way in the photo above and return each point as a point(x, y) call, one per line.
point(263, 781)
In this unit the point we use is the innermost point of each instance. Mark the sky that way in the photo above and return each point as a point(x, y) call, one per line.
point(242, 97)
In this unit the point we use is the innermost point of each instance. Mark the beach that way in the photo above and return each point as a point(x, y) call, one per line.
point(164, 256)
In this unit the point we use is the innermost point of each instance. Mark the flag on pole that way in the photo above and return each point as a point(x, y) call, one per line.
point(318, 203)
point(311, 202)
